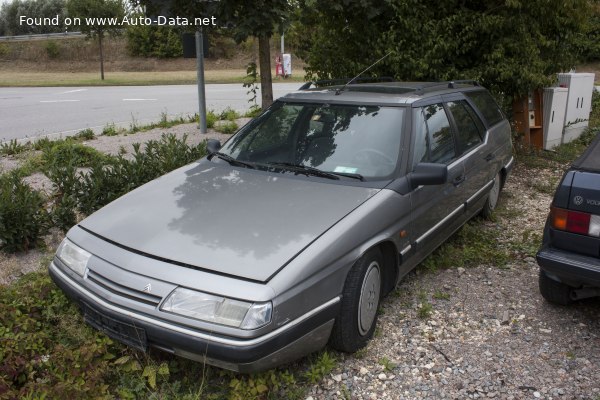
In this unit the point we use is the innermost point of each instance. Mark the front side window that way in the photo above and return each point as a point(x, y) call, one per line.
point(347, 139)
point(469, 127)
point(434, 139)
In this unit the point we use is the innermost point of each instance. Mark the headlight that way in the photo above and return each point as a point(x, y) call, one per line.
point(73, 256)
point(220, 310)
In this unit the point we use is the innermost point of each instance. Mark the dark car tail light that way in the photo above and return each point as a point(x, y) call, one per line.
point(575, 221)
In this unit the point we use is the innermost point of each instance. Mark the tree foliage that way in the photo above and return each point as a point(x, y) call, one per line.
point(510, 46)
point(95, 15)
point(10, 13)
point(153, 41)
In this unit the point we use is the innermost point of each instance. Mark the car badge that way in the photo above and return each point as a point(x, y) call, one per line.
point(148, 288)
point(578, 200)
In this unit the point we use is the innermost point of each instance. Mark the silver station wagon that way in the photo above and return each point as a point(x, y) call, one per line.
point(287, 237)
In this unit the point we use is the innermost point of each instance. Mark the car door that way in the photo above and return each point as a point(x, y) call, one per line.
point(474, 151)
point(436, 209)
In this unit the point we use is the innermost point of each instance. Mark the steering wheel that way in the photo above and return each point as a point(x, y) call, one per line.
point(367, 155)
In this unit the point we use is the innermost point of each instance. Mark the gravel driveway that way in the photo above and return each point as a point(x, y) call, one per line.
point(489, 335)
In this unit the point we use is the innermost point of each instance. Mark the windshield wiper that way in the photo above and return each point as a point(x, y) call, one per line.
point(350, 175)
point(232, 160)
point(303, 169)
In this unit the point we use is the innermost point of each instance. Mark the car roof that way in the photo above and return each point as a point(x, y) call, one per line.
point(381, 93)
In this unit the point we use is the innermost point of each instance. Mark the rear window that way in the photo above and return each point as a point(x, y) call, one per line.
point(487, 106)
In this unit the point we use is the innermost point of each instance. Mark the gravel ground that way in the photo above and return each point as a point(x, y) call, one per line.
point(493, 337)
point(490, 336)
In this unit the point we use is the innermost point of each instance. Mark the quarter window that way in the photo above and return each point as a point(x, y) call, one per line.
point(487, 105)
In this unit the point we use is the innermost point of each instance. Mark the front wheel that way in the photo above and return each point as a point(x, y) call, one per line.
point(356, 322)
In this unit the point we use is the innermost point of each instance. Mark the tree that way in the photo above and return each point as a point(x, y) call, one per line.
point(98, 18)
point(511, 46)
point(10, 12)
point(259, 18)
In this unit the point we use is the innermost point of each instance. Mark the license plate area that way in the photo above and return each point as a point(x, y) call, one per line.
point(124, 332)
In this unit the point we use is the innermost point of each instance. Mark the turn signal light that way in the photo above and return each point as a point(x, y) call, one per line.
point(575, 221)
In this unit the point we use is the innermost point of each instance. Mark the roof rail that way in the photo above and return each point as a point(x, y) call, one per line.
point(463, 81)
point(341, 81)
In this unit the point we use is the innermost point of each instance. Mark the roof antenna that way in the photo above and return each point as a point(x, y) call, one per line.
point(339, 91)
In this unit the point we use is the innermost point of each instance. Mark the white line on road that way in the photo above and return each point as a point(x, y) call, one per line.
point(140, 99)
point(73, 91)
point(58, 101)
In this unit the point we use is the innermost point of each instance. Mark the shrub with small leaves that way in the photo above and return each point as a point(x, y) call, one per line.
point(229, 114)
point(227, 127)
point(23, 218)
point(12, 147)
point(86, 134)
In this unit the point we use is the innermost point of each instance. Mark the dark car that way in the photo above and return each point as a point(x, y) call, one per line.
point(569, 258)
point(287, 236)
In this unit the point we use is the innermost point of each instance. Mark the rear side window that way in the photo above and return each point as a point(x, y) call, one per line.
point(434, 140)
point(468, 125)
point(487, 106)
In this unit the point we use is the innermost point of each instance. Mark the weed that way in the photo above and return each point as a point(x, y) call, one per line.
point(253, 112)
point(42, 144)
point(529, 244)
point(250, 83)
point(424, 311)
point(360, 354)
point(439, 295)
point(12, 147)
point(211, 119)
point(320, 367)
point(86, 134)
point(52, 49)
point(227, 127)
point(387, 364)
point(110, 130)
point(474, 244)
point(229, 114)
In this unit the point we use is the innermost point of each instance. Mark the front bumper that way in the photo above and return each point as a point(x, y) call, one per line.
point(572, 269)
point(293, 340)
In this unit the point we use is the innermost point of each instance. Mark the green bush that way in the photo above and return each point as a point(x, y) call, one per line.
point(228, 127)
point(154, 41)
point(211, 119)
point(253, 112)
point(229, 114)
point(52, 49)
point(47, 352)
point(12, 147)
point(23, 219)
point(86, 134)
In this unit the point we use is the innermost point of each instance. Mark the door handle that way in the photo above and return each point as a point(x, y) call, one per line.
point(458, 180)
point(490, 157)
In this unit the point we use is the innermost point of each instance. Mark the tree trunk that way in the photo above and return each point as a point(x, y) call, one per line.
point(264, 61)
point(101, 56)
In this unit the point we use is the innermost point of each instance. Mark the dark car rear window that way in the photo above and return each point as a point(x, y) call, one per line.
point(487, 105)
point(590, 159)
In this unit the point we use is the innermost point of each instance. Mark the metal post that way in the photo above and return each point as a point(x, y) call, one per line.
point(282, 35)
point(200, 75)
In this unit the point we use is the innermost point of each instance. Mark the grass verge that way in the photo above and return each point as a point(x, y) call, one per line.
point(119, 78)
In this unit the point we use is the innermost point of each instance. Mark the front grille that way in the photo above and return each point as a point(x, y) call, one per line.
point(121, 290)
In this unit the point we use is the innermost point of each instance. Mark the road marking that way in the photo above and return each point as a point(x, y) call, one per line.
point(58, 101)
point(73, 91)
point(140, 99)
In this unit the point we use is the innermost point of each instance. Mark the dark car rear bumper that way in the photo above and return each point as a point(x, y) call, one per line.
point(570, 268)
point(288, 343)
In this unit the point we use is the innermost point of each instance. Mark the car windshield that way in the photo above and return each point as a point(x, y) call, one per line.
point(344, 139)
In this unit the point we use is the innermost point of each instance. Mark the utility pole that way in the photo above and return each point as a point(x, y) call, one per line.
point(201, 85)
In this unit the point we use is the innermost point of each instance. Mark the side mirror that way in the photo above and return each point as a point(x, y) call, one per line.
point(213, 146)
point(428, 174)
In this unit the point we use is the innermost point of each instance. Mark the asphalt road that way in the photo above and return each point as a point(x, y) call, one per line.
point(31, 112)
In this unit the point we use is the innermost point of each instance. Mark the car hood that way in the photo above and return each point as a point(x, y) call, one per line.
point(237, 222)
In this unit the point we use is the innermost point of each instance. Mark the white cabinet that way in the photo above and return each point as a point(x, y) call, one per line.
point(579, 103)
point(555, 105)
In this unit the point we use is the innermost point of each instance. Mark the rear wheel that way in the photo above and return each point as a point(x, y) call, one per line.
point(554, 291)
point(360, 300)
point(492, 200)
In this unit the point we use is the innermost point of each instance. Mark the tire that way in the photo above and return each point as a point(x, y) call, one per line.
point(554, 291)
point(355, 324)
point(492, 200)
